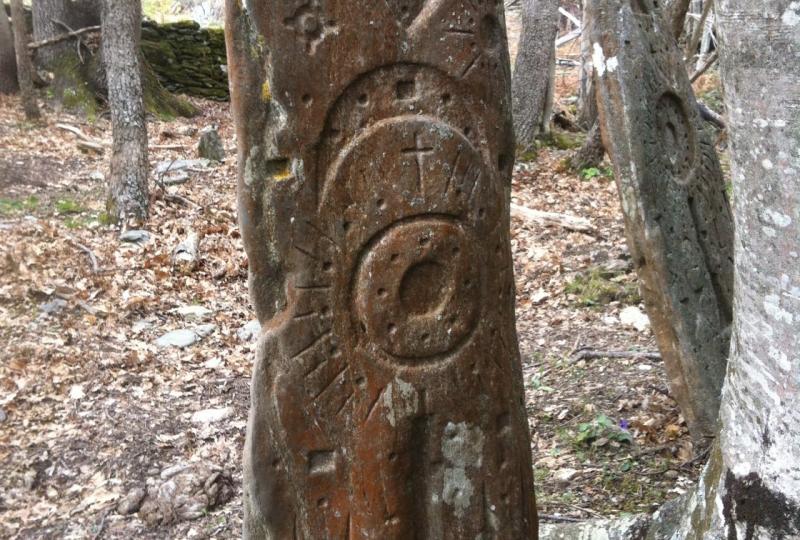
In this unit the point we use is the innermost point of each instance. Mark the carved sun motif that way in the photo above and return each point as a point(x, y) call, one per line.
point(310, 26)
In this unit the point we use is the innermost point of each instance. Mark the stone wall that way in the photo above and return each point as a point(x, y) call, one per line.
point(187, 58)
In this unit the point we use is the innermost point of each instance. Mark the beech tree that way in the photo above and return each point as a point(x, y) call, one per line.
point(121, 35)
point(8, 62)
point(24, 68)
point(534, 69)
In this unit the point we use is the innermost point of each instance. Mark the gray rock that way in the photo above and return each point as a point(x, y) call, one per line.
point(3, 416)
point(208, 416)
point(204, 330)
point(250, 331)
point(53, 306)
point(131, 502)
point(136, 236)
point(178, 338)
point(210, 145)
point(172, 165)
point(193, 312)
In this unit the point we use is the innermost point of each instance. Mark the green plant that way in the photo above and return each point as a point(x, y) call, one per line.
point(68, 206)
point(10, 207)
point(595, 172)
point(601, 427)
point(597, 287)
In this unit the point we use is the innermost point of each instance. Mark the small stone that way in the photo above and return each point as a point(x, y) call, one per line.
point(563, 476)
point(140, 326)
point(193, 312)
point(172, 165)
point(187, 131)
point(539, 296)
point(208, 416)
point(53, 306)
point(210, 145)
point(135, 236)
point(97, 176)
point(633, 316)
point(204, 330)
point(131, 502)
point(3, 416)
point(178, 338)
point(671, 474)
point(250, 331)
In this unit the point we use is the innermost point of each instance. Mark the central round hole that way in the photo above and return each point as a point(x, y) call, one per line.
point(421, 289)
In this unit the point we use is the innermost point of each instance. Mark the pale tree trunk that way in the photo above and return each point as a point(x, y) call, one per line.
point(24, 68)
point(45, 15)
point(8, 62)
point(587, 104)
point(752, 488)
point(534, 69)
point(128, 196)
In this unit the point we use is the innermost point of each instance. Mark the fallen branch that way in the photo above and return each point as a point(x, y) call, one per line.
point(89, 253)
point(74, 33)
point(575, 34)
point(704, 67)
point(184, 256)
point(84, 141)
point(710, 116)
point(572, 223)
point(592, 354)
point(565, 519)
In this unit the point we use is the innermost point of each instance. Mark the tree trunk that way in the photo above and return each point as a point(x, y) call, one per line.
point(533, 69)
point(24, 68)
point(8, 62)
point(387, 398)
point(587, 101)
point(677, 218)
point(591, 153)
point(751, 489)
point(675, 15)
point(129, 167)
point(45, 15)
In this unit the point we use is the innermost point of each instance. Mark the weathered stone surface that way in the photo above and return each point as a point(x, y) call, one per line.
point(210, 145)
point(677, 216)
point(374, 206)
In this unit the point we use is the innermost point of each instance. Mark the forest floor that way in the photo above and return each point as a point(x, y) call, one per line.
point(92, 409)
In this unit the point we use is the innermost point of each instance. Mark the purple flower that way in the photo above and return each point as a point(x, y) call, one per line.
point(623, 424)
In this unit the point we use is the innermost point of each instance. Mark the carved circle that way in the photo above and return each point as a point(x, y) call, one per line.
point(417, 289)
point(676, 133)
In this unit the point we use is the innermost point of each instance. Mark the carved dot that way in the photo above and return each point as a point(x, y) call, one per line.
point(446, 98)
point(393, 456)
point(363, 327)
point(334, 351)
point(391, 328)
point(307, 99)
point(426, 337)
point(363, 99)
point(361, 382)
point(424, 241)
point(322, 502)
point(481, 212)
point(467, 131)
point(394, 257)
point(325, 311)
point(382, 292)
point(275, 463)
point(502, 162)
point(421, 288)
point(381, 203)
point(327, 265)
point(346, 226)
point(456, 250)
point(467, 282)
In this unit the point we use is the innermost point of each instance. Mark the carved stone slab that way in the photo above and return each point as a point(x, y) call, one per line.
point(677, 217)
point(375, 153)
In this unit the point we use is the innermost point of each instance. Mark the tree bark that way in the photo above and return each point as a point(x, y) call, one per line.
point(591, 153)
point(8, 62)
point(587, 102)
point(533, 69)
point(45, 15)
point(675, 14)
point(24, 68)
point(121, 35)
point(751, 488)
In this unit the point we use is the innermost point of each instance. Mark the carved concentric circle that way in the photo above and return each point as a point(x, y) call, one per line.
point(417, 288)
point(675, 130)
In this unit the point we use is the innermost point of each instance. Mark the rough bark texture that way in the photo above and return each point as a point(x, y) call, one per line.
point(751, 488)
point(677, 217)
point(591, 153)
point(675, 15)
point(45, 15)
point(24, 68)
point(128, 197)
point(8, 62)
point(374, 207)
point(587, 102)
point(533, 68)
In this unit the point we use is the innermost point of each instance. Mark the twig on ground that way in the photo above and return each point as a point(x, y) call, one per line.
point(565, 519)
point(586, 353)
point(573, 223)
point(89, 253)
point(704, 67)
